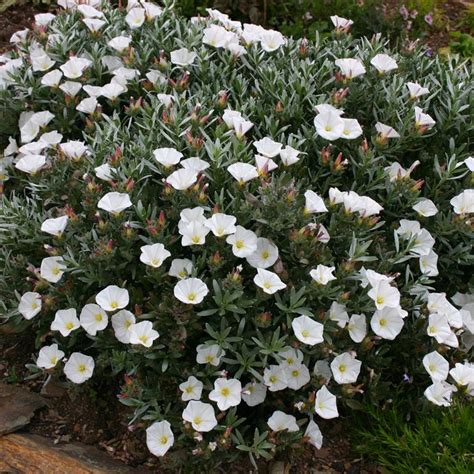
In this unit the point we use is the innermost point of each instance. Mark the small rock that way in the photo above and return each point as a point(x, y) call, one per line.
point(17, 407)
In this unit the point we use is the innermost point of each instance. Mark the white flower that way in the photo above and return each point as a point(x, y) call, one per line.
point(73, 149)
point(271, 40)
point(89, 11)
point(322, 274)
point(387, 323)
point(436, 366)
point(52, 269)
point(209, 354)
point(426, 208)
point(314, 435)
point(357, 327)
point(105, 171)
point(182, 179)
point(120, 43)
point(154, 255)
point(94, 24)
point(167, 156)
point(280, 421)
point(181, 268)
point(135, 18)
point(345, 368)
point(243, 172)
point(268, 147)
point(438, 327)
point(429, 264)
point(438, 303)
point(226, 393)
point(115, 202)
point(314, 203)
point(79, 367)
point(383, 63)
point(49, 356)
point(350, 67)
point(329, 125)
point(192, 389)
point(112, 90)
point(40, 61)
point(112, 298)
point(320, 108)
point(291, 357)
point(297, 376)
point(386, 131)
point(217, 36)
point(55, 226)
point(265, 255)
point(71, 88)
point(340, 23)
point(201, 416)
point(463, 203)
point(254, 394)
point(195, 164)
point(191, 291)
point(351, 130)
point(31, 164)
point(325, 404)
point(469, 162)
point(264, 165)
point(93, 318)
point(440, 393)
point(244, 242)
point(274, 377)
point(338, 313)
point(92, 91)
point(269, 282)
point(463, 374)
point(143, 333)
point(422, 119)
point(44, 19)
point(74, 68)
point(289, 155)
point(87, 106)
point(221, 224)
point(183, 57)
point(159, 437)
point(194, 233)
point(122, 322)
point(385, 295)
point(65, 321)
point(416, 90)
point(308, 331)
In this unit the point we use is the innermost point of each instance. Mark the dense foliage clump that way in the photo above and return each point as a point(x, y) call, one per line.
point(256, 232)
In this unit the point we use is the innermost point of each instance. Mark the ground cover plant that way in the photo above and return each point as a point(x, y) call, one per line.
point(256, 232)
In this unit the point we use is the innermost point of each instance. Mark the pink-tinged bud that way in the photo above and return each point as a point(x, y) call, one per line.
point(129, 184)
point(279, 107)
point(222, 99)
point(303, 48)
point(418, 185)
point(326, 155)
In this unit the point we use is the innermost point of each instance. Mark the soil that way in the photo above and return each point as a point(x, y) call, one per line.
point(94, 416)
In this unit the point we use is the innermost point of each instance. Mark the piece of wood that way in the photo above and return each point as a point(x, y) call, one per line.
point(33, 454)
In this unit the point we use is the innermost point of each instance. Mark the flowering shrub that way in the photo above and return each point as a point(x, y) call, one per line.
point(254, 230)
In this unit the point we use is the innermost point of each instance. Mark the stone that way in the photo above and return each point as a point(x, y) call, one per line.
point(17, 407)
point(36, 454)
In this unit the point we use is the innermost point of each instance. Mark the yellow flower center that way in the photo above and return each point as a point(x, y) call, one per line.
point(267, 285)
point(189, 389)
point(81, 368)
point(114, 305)
point(432, 368)
point(164, 439)
point(197, 420)
point(54, 360)
point(290, 361)
point(295, 373)
point(305, 333)
point(273, 379)
point(192, 296)
point(240, 244)
point(98, 317)
point(209, 358)
point(380, 300)
point(69, 325)
point(342, 368)
point(328, 128)
point(155, 262)
point(196, 239)
point(382, 322)
point(143, 339)
point(225, 392)
point(182, 273)
point(55, 271)
point(34, 306)
point(127, 323)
